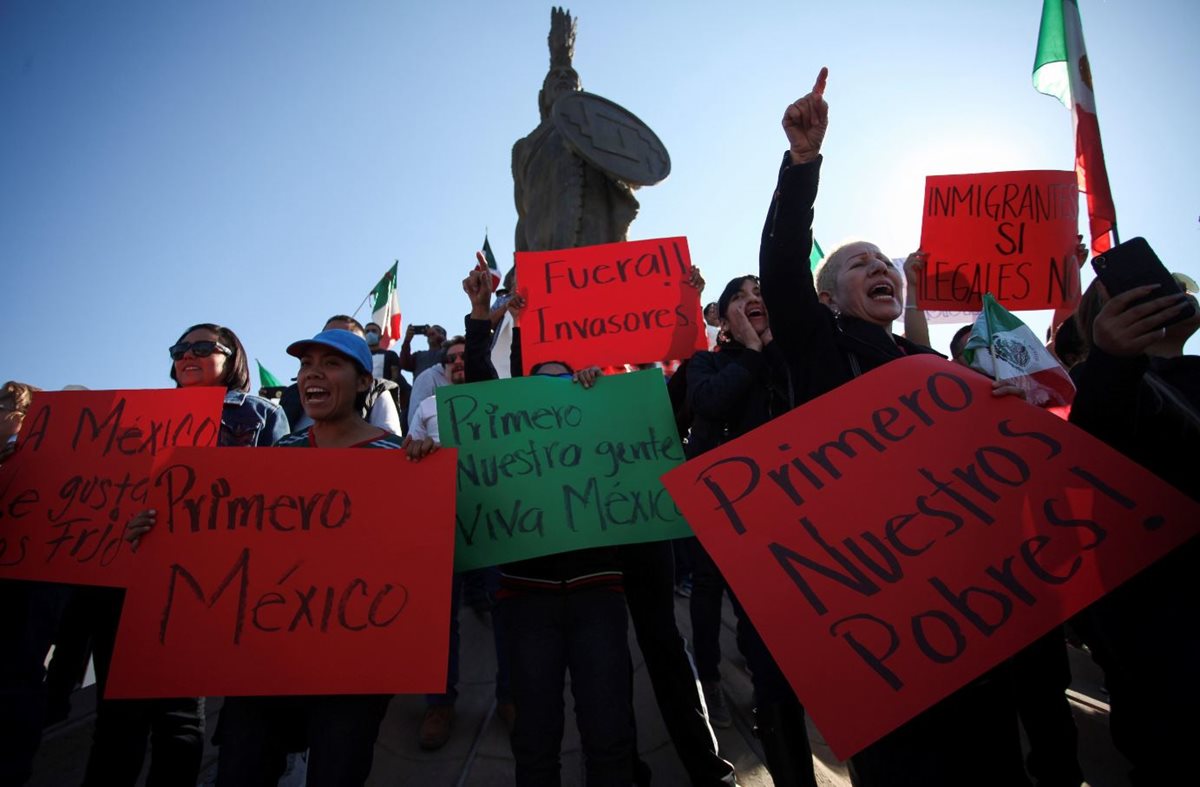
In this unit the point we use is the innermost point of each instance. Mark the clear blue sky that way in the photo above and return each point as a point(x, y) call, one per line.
point(261, 164)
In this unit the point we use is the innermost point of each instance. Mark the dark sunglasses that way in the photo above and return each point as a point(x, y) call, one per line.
point(452, 357)
point(201, 349)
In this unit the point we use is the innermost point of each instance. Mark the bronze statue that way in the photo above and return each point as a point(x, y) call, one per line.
point(574, 175)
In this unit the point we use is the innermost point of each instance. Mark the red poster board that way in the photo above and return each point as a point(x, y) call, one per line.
point(80, 473)
point(1008, 233)
point(903, 534)
point(291, 571)
point(611, 304)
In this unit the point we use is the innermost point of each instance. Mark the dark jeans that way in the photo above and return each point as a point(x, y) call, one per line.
point(29, 613)
point(681, 551)
point(770, 685)
point(491, 578)
point(72, 649)
point(174, 726)
point(1041, 675)
point(258, 732)
point(708, 593)
point(649, 589)
point(779, 716)
point(583, 631)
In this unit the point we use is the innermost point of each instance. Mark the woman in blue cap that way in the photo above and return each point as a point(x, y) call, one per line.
point(335, 377)
point(339, 730)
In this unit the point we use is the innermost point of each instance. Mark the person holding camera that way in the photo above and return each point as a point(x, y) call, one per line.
point(417, 362)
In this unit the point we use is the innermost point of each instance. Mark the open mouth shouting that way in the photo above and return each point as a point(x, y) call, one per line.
point(883, 291)
point(316, 394)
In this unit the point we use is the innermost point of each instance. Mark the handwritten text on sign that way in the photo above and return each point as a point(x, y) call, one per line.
point(611, 304)
point(82, 470)
point(1012, 234)
point(546, 466)
point(898, 537)
point(290, 571)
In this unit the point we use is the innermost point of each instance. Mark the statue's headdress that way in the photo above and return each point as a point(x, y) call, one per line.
point(561, 38)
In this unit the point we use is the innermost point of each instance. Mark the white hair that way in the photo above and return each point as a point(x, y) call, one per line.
point(825, 275)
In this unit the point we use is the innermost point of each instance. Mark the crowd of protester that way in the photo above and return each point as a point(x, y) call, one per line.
point(777, 341)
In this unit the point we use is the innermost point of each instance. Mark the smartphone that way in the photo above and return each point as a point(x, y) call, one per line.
point(1133, 264)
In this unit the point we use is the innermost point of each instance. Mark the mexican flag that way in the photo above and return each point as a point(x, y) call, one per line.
point(491, 263)
point(385, 307)
point(1061, 69)
point(1003, 348)
point(266, 379)
point(816, 255)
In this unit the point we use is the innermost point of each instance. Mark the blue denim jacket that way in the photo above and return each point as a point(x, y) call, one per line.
point(249, 420)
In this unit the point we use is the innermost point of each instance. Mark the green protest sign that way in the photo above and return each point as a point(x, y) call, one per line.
point(547, 466)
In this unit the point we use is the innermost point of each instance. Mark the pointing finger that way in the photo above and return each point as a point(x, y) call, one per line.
point(819, 85)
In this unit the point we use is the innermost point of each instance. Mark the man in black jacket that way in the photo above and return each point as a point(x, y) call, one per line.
point(648, 581)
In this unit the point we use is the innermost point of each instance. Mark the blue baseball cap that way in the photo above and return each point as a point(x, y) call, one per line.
point(348, 344)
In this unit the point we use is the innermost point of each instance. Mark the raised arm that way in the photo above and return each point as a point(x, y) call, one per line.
point(407, 362)
point(784, 270)
point(478, 287)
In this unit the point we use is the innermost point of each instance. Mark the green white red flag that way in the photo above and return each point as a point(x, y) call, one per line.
point(1004, 348)
point(1061, 69)
point(490, 258)
point(385, 307)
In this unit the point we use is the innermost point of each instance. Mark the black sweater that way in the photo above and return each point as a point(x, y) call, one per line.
point(733, 391)
point(823, 350)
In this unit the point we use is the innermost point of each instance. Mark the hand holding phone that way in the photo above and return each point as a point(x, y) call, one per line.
point(1134, 264)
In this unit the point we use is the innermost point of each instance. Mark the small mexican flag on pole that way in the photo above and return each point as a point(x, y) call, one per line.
point(385, 307)
point(490, 259)
point(266, 379)
point(1004, 348)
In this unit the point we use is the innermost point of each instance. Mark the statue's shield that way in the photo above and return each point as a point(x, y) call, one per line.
point(611, 138)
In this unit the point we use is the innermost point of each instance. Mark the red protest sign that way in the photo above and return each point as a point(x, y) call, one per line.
point(903, 534)
point(1012, 234)
point(616, 303)
point(288, 571)
point(81, 471)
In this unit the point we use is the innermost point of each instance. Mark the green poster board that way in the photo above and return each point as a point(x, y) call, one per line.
point(547, 466)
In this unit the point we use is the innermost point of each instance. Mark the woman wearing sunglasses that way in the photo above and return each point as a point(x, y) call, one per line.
point(205, 355)
point(208, 354)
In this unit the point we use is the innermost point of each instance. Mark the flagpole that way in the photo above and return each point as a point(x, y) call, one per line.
point(364, 303)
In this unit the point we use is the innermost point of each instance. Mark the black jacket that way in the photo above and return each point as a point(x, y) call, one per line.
point(733, 391)
point(1146, 408)
point(823, 350)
